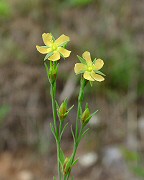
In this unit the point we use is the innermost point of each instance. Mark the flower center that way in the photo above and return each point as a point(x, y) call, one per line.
point(90, 68)
point(54, 47)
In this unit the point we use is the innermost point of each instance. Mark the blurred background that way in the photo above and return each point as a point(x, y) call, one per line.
point(111, 30)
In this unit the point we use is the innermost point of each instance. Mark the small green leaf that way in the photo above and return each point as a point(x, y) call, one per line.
point(94, 113)
point(64, 45)
point(53, 131)
point(57, 106)
point(62, 56)
point(63, 130)
point(75, 162)
point(62, 156)
point(70, 108)
point(53, 38)
point(46, 66)
point(82, 60)
point(83, 134)
point(48, 55)
point(68, 165)
point(94, 60)
point(99, 72)
point(91, 83)
point(73, 134)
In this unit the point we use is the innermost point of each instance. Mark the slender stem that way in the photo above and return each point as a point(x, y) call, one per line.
point(80, 99)
point(75, 150)
point(60, 128)
point(78, 133)
point(53, 98)
point(53, 94)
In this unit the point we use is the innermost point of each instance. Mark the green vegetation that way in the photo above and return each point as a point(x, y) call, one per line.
point(5, 9)
point(134, 161)
point(4, 110)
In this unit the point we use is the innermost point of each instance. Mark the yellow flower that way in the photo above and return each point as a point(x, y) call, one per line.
point(89, 69)
point(54, 48)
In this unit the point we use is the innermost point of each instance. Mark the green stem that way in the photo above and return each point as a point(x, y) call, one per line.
point(53, 94)
point(80, 100)
point(60, 128)
point(53, 98)
point(78, 133)
point(75, 150)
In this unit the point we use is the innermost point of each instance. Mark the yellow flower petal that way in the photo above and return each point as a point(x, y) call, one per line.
point(87, 75)
point(47, 39)
point(86, 55)
point(97, 77)
point(79, 68)
point(64, 52)
point(98, 64)
point(55, 56)
point(62, 39)
point(43, 50)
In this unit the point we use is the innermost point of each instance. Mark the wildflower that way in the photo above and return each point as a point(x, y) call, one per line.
point(89, 69)
point(54, 48)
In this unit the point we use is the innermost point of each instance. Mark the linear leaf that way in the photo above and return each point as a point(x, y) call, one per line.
point(99, 72)
point(63, 130)
point(81, 60)
point(48, 55)
point(75, 162)
point(85, 132)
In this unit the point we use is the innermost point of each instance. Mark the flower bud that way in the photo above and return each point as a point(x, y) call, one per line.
point(66, 166)
point(62, 111)
point(86, 116)
point(53, 71)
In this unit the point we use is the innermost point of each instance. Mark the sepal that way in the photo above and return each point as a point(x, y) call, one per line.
point(63, 110)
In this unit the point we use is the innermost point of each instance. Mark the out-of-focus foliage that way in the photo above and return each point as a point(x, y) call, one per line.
point(78, 3)
point(134, 161)
point(5, 9)
point(4, 110)
point(139, 171)
point(123, 66)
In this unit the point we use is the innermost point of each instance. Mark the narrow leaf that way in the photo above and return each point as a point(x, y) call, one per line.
point(68, 165)
point(70, 108)
point(94, 60)
point(62, 156)
point(99, 72)
point(73, 134)
point(81, 60)
point(53, 131)
point(94, 113)
point(48, 55)
point(63, 130)
point(64, 44)
point(91, 83)
point(83, 134)
point(75, 162)
point(57, 106)
point(53, 38)
point(62, 56)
